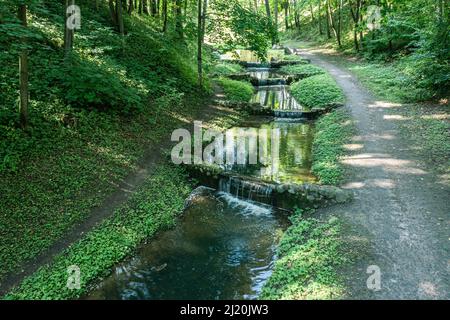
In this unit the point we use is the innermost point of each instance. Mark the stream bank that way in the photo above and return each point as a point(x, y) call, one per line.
point(225, 244)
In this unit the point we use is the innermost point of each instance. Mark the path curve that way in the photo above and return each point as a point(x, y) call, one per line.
point(399, 204)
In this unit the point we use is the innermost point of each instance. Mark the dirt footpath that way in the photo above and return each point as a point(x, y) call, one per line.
point(400, 206)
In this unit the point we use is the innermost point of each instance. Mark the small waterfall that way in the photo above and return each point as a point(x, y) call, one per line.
point(245, 207)
point(271, 82)
point(288, 114)
point(245, 189)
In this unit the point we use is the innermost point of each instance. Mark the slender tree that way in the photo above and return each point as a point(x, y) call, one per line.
point(23, 72)
point(69, 33)
point(201, 26)
point(119, 9)
point(178, 19)
point(199, 43)
point(164, 8)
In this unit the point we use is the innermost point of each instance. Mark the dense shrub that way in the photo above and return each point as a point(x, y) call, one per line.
point(302, 70)
point(319, 91)
point(224, 69)
point(236, 91)
point(332, 131)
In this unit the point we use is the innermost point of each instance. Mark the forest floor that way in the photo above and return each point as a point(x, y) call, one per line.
point(401, 205)
point(209, 110)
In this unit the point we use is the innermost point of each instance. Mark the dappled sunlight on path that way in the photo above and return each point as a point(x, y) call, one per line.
point(400, 207)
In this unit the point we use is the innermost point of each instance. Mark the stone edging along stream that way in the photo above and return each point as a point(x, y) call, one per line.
point(285, 196)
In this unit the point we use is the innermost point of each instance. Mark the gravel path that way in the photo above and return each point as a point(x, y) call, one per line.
point(400, 206)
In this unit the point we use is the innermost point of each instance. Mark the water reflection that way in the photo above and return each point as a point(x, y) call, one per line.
point(288, 152)
point(222, 248)
point(276, 97)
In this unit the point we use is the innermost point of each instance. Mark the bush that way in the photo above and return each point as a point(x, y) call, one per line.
point(294, 57)
point(89, 85)
point(309, 256)
point(319, 91)
point(302, 70)
point(236, 91)
point(224, 69)
point(333, 130)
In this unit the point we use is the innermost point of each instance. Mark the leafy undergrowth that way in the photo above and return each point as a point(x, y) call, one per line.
point(153, 207)
point(225, 69)
point(236, 91)
point(302, 70)
point(332, 131)
point(319, 91)
point(91, 118)
point(388, 81)
point(73, 172)
point(309, 256)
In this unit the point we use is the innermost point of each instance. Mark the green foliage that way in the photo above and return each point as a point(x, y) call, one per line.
point(333, 130)
point(414, 33)
point(152, 208)
point(309, 255)
point(90, 116)
point(224, 69)
point(235, 25)
point(302, 70)
point(319, 91)
point(236, 91)
point(88, 85)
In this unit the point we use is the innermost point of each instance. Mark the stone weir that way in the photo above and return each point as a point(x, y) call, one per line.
point(256, 109)
point(285, 196)
point(258, 82)
point(272, 64)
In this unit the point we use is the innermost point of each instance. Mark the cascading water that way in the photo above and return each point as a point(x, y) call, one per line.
point(221, 248)
point(245, 189)
point(224, 244)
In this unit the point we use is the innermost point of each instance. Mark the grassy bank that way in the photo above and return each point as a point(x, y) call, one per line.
point(312, 251)
point(92, 116)
point(236, 91)
point(332, 131)
point(152, 208)
point(309, 255)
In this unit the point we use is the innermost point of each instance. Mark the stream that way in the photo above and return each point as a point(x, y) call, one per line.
point(224, 243)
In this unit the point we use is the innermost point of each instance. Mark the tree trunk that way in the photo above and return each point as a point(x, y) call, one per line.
point(267, 4)
point(130, 6)
point(328, 23)
point(319, 18)
point(178, 19)
point(154, 8)
point(145, 6)
point(23, 73)
point(112, 12)
point(286, 14)
point(336, 30)
point(119, 12)
point(275, 15)
point(355, 16)
point(164, 8)
point(339, 22)
point(199, 44)
point(68, 33)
